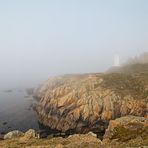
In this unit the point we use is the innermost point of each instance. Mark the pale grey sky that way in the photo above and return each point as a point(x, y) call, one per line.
point(41, 38)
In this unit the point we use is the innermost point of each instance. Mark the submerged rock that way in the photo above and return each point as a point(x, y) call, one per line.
point(8, 91)
point(30, 91)
point(13, 134)
point(4, 123)
point(83, 103)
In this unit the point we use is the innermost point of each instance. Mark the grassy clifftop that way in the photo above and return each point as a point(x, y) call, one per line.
point(139, 71)
point(126, 84)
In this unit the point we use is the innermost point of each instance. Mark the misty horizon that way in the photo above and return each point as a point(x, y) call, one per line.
point(74, 73)
point(49, 38)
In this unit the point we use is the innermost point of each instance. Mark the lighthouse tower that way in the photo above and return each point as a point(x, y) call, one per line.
point(116, 61)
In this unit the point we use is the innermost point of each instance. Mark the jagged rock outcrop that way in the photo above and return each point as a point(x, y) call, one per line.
point(127, 131)
point(126, 128)
point(73, 141)
point(83, 103)
point(13, 134)
point(31, 133)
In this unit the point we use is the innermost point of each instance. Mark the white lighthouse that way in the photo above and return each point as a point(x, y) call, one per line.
point(116, 61)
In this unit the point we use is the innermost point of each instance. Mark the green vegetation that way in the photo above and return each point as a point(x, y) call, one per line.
point(125, 84)
point(123, 134)
point(136, 70)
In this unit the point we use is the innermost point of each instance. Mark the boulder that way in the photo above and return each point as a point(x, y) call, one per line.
point(127, 128)
point(92, 134)
point(31, 133)
point(79, 140)
point(13, 134)
point(83, 103)
point(59, 146)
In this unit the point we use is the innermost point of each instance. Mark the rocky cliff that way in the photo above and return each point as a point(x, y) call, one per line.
point(126, 128)
point(127, 131)
point(82, 103)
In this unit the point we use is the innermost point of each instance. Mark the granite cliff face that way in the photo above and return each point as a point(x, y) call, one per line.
point(83, 103)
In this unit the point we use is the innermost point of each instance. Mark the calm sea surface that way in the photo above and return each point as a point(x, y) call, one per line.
point(16, 111)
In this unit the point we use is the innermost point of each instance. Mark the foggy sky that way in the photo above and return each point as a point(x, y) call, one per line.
point(42, 38)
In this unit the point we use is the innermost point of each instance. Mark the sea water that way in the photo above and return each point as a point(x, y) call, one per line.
point(16, 112)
